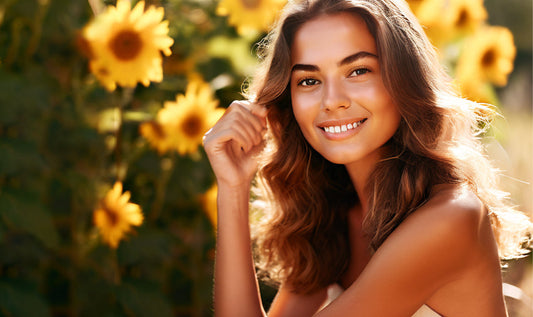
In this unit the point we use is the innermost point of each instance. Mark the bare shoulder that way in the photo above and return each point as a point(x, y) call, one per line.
point(453, 220)
point(453, 210)
point(455, 199)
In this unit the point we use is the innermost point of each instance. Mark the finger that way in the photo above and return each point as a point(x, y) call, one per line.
point(250, 130)
point(257, 149)
point(258, 111)
point(242, 122)
point(245, 135)
point(247, 122)
point(219, 142)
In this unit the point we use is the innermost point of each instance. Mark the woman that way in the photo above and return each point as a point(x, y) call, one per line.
point(377, 182)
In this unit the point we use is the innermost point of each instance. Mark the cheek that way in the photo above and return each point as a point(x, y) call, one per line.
point(304, 112)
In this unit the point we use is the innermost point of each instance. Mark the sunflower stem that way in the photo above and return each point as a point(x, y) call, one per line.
point(116, 268)
point(167, 168)
point(37, 28)
point(126, 97)
point(13, 49)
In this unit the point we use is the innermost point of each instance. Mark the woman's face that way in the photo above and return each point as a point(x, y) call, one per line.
point(338, 96)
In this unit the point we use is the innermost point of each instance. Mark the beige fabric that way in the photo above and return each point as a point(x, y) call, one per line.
point(425, 311)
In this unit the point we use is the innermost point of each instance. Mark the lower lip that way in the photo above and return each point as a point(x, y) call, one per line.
point(342, 135)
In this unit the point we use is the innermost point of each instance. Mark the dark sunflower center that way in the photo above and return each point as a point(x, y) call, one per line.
point(192, 126)
point(111, 213)
point(157, 129)
point(126, 45)
point(251, 4)
point(102, 71)
point(488, 58)
point(462, 19)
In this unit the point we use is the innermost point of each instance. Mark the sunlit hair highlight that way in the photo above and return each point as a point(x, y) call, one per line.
point(303, 238)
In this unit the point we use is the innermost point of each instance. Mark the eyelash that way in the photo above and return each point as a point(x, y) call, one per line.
point(305, 82)
point(366, 70)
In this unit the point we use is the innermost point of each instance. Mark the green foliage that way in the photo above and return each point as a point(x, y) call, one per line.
point(61, 149)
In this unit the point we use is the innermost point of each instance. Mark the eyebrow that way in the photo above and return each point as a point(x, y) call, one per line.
point(347, 60)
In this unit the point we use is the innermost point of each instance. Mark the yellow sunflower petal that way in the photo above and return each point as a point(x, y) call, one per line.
point(155, 135)
point(250, 15)
point(135, 216)
point(209, 204)
point(137, 12)
point(124, 198)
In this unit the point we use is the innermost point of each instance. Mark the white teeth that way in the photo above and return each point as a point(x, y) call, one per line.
point(343, 128)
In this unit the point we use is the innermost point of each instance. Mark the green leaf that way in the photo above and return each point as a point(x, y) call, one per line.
point(23, 253)
point(23, 212)
point(143, 300)
point(18, 300)
point(17, 156)
point(147, 246)
point(17, 108)
point(94, 295)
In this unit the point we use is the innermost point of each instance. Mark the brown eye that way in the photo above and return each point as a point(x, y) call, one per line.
point(360, 71)
point(308, 82)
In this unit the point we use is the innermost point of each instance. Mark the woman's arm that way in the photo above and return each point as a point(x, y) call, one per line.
point(231, 146)
point(445, 249)
point(236, 288)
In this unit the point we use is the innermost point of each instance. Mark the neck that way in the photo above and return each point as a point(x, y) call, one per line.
point(359, 172)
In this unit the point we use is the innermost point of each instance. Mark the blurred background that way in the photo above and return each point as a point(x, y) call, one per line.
point(106, 196)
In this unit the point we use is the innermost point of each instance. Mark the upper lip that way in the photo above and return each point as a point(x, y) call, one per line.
point(338, 122)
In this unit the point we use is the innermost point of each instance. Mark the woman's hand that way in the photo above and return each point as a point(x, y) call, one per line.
point(235, 140)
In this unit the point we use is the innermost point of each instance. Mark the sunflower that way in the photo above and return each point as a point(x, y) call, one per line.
point(155, 135)
point(115, 215)
point(489, 56)
point(181, 124)
point(126, 45)
point(465, 16)
point(209, 203)
point(250, 15)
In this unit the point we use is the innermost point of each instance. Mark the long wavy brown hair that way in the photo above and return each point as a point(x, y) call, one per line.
point(302, 240)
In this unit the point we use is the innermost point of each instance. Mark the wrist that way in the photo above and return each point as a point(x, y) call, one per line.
point(233, 201)
point(234, 191)
point(234, 186)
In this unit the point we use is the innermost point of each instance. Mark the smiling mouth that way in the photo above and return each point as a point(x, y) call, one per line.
point(343, 128)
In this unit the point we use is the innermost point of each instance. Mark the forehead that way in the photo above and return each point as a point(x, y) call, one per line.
point(330, 37)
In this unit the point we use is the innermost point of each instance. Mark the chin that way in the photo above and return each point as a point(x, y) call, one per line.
point(337, 158)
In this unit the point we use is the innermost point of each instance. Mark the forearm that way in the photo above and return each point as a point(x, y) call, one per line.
point(236, 287)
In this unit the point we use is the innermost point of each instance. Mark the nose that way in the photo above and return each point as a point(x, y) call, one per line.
point(334, 96)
